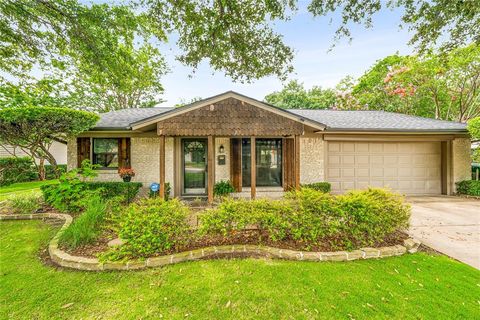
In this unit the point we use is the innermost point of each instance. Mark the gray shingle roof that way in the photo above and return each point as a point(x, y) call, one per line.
point(376, 120)
point(121, 119)
point(333, 119)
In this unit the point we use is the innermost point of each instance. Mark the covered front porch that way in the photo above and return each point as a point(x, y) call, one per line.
point(200, 162)
point(231, 137)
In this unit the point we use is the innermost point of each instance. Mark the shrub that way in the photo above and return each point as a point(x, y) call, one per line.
point(469, 187)
point(319, 186)
point(368, 216)
point(70, 192)
point(16, 169)
point(108, 190)
point(223, 188)
point(87, 227)
point(312, 217)
point(50, 173)
point(152, 226)
point(26, 203)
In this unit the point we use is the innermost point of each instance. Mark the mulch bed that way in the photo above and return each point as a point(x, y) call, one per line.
point(246, 237)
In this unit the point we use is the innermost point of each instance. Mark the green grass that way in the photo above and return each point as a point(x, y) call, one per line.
point(22, 187)
point(415, 286)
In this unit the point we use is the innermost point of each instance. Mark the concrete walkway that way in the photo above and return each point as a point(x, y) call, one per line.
point(450, 225)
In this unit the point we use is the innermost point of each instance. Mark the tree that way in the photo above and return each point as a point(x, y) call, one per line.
point(435, 85)
point(235, 37)
point(35, 128)
point(294, 96)
point(445, 23)
point(44, 92)
point(474, 128)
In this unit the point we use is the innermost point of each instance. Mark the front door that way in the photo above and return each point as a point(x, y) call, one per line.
point(194, 156)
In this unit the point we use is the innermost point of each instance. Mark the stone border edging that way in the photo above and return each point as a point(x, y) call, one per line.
point(64, 259)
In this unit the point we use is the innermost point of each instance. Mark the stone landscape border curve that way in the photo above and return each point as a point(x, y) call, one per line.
point(64, 259)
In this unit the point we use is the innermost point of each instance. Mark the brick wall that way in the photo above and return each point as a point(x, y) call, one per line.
point(311, 159)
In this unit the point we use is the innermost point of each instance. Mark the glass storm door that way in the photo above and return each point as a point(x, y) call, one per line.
point(194, 166)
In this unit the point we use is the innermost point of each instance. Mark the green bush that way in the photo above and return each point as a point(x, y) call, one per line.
point(87, 227)
point(70, 193)
point(50, 173)
point(312, 217)
point(319, 186)
point(26, 203)
point(223, 188)
point(469, 187)
point(108, 190)
point(152, 226)
point(13, 169)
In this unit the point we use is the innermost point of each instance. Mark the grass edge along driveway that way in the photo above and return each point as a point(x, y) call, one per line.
point(414, 286)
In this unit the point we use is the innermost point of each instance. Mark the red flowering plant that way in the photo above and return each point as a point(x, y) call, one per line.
point(126, 172)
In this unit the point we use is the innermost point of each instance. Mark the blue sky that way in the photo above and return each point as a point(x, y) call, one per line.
point(314, 65)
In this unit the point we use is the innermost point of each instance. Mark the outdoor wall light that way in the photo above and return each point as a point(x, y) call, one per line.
point(221, 149)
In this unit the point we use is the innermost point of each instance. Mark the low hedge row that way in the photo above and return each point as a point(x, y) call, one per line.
point(469, 187)
point(22, 169)
point(319, 186)
point(350, 221)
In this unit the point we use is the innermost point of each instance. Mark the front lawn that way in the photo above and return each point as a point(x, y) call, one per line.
point(417, 286)
point(22, 187)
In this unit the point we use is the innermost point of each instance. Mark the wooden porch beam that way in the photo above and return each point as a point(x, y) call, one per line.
point(253, 169)
point(210, 167)
point(161, 192)
point(297, 162)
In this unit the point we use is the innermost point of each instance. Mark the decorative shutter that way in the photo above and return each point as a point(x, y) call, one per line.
point(236, 163)
point(124, 153)
point(83, 150)
point(288, 164)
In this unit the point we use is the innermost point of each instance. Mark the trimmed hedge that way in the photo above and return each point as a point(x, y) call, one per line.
point(109, 190)
point(351, 221)
point(325, 187)
point(22, 169)
point(469, 187)
point(15, 169)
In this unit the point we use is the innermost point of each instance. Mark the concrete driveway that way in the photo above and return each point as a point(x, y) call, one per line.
point(450, 225)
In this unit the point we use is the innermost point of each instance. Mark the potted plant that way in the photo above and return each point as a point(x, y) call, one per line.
point(126, 174)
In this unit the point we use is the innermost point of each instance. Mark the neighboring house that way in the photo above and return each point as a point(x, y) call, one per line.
point(58, 150)
point(223, 137)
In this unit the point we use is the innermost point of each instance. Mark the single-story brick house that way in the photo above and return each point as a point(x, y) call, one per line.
point(223, 137)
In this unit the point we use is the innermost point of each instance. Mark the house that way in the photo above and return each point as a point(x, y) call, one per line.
point(57, 149)
point(225, 136)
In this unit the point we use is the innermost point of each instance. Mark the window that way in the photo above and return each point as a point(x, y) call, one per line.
point(268, 160)
point(105, 152)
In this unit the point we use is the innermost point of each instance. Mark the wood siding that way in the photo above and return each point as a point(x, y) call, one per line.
point(229, 117)
point(83, 150)
point(236, 163)
point(288, 164)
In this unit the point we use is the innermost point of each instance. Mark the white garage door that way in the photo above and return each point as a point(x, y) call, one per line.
point(407, 167)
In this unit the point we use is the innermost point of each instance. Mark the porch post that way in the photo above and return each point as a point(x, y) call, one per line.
point(253, 168)
point(161, 192)
point(211, 167)
point(297, 162)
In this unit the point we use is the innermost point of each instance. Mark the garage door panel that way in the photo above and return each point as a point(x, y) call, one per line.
point(362, 172)
point(407, 167)
point(348, 147)
point(374, 160)
point(375, 147)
